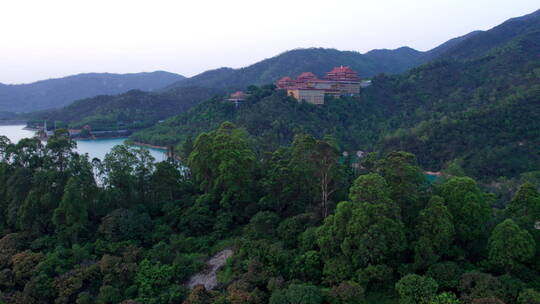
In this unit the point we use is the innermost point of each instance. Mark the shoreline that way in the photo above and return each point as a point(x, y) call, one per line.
point(136, 143)
point(98, 138)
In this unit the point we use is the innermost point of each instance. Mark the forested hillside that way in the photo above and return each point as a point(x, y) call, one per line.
point(56, 93)
point(302, 225)
point(136, 110)
point(476, 47)
point(315, 60)
point(132, 110)
point(482, 112)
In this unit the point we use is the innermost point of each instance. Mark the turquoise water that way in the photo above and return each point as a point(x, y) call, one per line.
point(95, 148)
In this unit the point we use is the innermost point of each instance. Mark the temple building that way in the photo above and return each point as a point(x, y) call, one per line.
point(238, 97)
point(340, 81)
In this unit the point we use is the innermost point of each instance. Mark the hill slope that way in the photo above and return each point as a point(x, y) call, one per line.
point(483, 111)
point(55, 93)
point(481, 42)
point(316, 60)
point(132, 110)
point(319, 60)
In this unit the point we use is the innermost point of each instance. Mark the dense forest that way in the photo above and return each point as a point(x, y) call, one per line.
point(317, 203)
point(304, 227)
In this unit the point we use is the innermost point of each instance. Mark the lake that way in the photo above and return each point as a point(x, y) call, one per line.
point(95, 148)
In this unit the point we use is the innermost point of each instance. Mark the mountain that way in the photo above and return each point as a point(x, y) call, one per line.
point(479, 111)
point(134, 109)
point(130, 109)
point(316, 60)
point(477, 43)
point(319, 60)
point(55, 93)
point(445, 47)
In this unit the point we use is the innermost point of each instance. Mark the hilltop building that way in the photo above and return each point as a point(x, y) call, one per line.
point(238, 97)
point(340, 81)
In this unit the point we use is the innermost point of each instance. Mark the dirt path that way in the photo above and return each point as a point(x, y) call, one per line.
point(208, 277)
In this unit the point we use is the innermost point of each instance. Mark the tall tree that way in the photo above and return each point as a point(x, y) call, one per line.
point(224, 162)
point(470, 211)
point(367, 230)
point(404, 177)
point(435, 231)
point(325, 158)
point(510, 245)
point(58, 149)
point(524, 207)
point(28, 153)
point(127, 170)
point(71, 217)
point(34, 215)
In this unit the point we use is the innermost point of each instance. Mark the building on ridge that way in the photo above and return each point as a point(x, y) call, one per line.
point(314, 96)
point(340, 81)
point(238, 97)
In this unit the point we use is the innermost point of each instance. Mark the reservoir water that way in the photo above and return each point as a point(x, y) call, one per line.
point(95, 148)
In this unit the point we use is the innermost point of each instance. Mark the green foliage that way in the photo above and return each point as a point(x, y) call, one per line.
point(71, 216)
point(435, 231)
point(445, 298)
point(223, 162)
point(447, 274)
point(529, 296)
point(346, 293)
point(401, 172)
point(510, 245)
point(297, 294)
point(477, 285)
point(469, 209)
point(370, 188)
point(125, 224)
point(263, 225)
point(524, 208)
point(363, 232)
point(154, 283)
point(415, 289)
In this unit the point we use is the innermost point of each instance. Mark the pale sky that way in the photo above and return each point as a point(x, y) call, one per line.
point(55, 38)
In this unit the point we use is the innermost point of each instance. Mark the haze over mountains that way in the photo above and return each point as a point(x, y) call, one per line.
point(145, 109)
point(54, 93)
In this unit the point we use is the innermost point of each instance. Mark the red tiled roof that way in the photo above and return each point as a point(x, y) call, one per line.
point(342, 73)
point(306, 76)
point(285, 82)
point(342, 69)
point(239, 95)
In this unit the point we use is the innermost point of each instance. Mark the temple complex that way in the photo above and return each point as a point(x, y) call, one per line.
point(340, 81)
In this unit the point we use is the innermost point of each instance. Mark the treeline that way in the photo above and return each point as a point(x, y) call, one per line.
point(305, 227)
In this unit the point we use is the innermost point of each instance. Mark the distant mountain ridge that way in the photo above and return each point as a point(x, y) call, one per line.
point(178, 97)
point(475, 104)
point(316, 60)
point(479, 42)
point(59, 92)
point(396, 61)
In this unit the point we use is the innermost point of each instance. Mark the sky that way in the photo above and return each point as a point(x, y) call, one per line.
point(55, 38)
